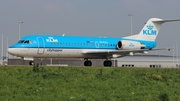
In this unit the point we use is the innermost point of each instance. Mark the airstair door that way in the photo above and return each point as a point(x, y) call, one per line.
point(41, 45)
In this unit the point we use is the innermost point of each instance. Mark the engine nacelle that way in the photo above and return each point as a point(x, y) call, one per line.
point(126, 44)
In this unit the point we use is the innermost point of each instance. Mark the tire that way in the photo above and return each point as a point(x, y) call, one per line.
point(31, 63)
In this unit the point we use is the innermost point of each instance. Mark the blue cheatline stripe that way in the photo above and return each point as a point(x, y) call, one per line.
point(64, 48)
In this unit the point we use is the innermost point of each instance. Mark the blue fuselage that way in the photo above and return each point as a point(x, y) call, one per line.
point(75, 42)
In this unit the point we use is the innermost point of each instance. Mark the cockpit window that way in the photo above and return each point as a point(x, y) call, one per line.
point(21, 41)
point(30, 42)
point(25, 41)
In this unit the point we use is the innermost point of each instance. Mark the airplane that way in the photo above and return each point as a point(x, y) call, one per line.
point(54, 46)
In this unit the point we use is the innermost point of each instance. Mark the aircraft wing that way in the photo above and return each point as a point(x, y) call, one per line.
point(120, 53)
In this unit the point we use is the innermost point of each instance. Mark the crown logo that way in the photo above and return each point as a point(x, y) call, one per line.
point(150, 27)
point(131, 45)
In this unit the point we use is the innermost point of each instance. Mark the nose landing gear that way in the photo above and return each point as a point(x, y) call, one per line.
point(31, 63)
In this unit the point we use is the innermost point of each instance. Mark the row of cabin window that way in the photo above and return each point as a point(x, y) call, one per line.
point(80, 44)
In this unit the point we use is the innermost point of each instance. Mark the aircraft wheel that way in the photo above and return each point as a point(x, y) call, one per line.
point(88, 63)
point(107, 63)
point(31, 63)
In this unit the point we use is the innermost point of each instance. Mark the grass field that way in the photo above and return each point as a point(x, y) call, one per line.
point(26, 83)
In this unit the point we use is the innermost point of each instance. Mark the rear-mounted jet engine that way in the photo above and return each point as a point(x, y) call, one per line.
point(126, 44)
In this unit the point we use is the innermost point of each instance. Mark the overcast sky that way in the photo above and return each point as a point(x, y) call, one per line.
point(88, 18)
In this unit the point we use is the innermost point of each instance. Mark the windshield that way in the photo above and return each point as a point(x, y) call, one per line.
point(25, 41)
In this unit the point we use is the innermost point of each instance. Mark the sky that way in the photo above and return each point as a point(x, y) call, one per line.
point(107, 18)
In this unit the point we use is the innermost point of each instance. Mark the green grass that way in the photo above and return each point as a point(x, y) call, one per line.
point(24, 83)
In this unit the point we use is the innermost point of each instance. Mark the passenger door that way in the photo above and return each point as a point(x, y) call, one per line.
point(41, 45)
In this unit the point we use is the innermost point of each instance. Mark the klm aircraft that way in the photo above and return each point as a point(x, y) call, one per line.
point(47, 46)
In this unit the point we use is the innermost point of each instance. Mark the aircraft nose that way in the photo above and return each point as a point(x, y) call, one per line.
point(11, 51)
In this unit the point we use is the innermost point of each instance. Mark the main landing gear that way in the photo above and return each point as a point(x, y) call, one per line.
point(87, 63)
point(107, 63)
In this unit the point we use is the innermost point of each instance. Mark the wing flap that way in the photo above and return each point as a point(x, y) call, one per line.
point(120, 52)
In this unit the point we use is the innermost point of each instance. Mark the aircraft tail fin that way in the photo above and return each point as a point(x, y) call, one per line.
point(151, 29)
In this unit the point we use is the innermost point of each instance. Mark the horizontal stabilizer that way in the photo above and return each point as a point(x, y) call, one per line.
point(162, 21)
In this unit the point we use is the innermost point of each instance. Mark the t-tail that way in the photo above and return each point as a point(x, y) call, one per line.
point(151, 29)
